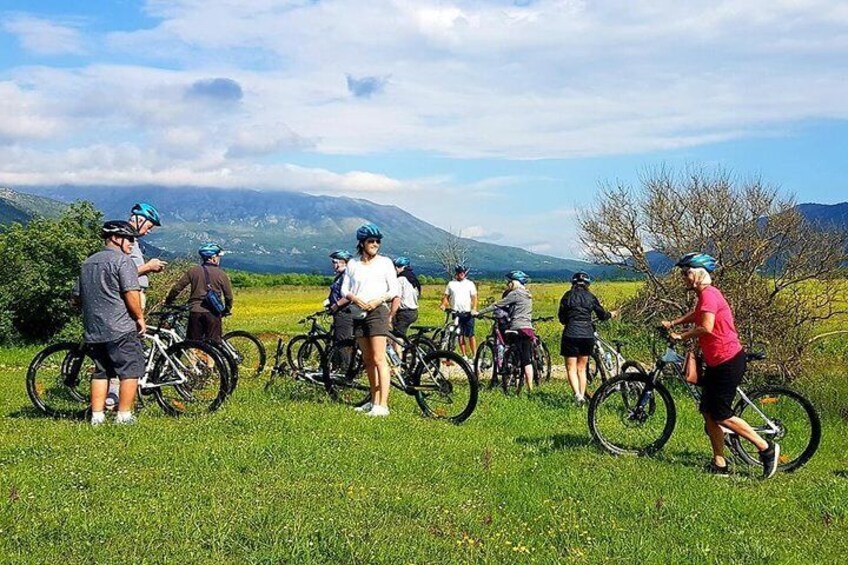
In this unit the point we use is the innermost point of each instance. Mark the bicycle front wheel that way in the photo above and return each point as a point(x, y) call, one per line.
point(190, 379)
point(484, 360)
point(58, 380)
point(344, 374)
point(792, 422)
point(249, 352)
point(445, 387)
point(630, 415)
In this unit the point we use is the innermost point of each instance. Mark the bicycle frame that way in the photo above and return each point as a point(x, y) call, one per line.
point(675, 361)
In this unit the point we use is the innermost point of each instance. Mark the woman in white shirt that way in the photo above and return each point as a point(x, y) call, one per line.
point(370, 283)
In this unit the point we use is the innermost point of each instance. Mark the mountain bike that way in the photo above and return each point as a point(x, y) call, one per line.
point(499, 354)
point(184, 377)
point(634, 413)
point(281, 368)
point(243, 351)
point(445, 338)
point(304, 351)
point(442, 382)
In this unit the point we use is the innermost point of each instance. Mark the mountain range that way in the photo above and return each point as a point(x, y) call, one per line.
point(279, 231)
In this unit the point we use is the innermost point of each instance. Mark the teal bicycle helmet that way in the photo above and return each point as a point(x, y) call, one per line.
point(402, 262)
point(519, 276)
point(697, 261)
point(341, 255)
point(147, 211)
point(368, 231)
point(209, 250)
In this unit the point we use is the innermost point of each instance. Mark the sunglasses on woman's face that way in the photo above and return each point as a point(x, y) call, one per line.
point(372, 241)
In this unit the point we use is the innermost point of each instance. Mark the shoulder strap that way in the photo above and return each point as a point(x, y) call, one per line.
point(206, 276)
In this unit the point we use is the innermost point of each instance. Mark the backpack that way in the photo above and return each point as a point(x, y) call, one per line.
point(213, 300)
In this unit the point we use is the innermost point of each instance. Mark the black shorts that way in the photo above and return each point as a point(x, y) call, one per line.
point(204, 326)
point(466, 324)
point(719, 387)
point(122, 358)
point(523, 345)
point(404, 319)
point(342, 325)
point(576, 346)
point(376, 323)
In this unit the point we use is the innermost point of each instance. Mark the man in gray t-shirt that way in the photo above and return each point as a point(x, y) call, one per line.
point(109, 294)
point(144, 217)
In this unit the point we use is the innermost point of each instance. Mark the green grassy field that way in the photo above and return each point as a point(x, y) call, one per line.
point(284, 476)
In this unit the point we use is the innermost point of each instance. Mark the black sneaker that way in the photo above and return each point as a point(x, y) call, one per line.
point(770, 457)
point(717, 470)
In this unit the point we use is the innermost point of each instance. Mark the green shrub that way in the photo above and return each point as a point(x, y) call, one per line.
point(40, 263)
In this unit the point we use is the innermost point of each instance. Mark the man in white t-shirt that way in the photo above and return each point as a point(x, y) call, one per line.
point(461, 297)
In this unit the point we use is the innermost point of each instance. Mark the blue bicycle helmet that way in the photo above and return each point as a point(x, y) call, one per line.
point(697, 261)
point(209, 250)
point(368, 231)
point(341, 255)
point(402, 262)
point(519, 276)
point(581, 277)
point(147, 211)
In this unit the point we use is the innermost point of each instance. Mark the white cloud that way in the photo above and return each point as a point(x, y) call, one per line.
point(45, 37)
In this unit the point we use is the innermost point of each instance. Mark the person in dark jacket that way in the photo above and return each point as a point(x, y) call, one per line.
point(576, 308)
point(203, 324)
point(336, 302)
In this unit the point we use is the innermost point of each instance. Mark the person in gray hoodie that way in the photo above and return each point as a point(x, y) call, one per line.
point(519, 303)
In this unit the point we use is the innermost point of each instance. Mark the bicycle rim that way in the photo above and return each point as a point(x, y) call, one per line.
point(798, 426)
point(205, 384)
point(309, 357)
point(249, 352)
point(445, 387)
point(484, 360)
point(621, 427)
point(59, 381)
point(344, 374)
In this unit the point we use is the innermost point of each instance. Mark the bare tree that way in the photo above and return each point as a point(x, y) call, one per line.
point(781, 274)
point(452, 251)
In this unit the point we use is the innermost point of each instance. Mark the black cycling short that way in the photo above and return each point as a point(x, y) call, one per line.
point(719, 387)
point(576, 346)
point(523, 344)
point(122, 358)
point(404, 319)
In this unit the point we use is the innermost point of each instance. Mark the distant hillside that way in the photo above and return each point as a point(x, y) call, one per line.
point(20, 207)
point(827, 216)
point(271, 231)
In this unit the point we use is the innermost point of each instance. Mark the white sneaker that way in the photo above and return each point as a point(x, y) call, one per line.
point(98, 420)
point(126, 421)
point(379, 411)
point(364, 408)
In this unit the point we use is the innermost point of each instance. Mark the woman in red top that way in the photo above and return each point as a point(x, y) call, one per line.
point(725, 361)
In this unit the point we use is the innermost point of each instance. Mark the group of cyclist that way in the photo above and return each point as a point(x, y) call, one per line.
point(372, 297)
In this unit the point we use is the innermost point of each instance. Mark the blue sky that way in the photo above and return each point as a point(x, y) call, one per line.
point(496, 118)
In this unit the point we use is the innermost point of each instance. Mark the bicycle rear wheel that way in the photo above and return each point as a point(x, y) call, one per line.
point(249, 352)
point(630, 415)
point(309, 357)
point(344, 374)
point(542, 362)
point(58, 380)
point(445, 387)
point(191, 379)
point(512, 373)
point(798, 426)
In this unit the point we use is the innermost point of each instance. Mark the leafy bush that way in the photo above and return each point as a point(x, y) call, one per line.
point(40, 263)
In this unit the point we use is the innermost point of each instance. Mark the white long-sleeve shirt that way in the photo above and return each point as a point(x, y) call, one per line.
point(374, 280)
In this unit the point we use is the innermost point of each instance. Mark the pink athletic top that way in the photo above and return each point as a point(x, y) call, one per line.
point(723, 344)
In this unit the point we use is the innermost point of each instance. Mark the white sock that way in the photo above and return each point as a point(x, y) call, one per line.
point(98, 417)
point(124, 416)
